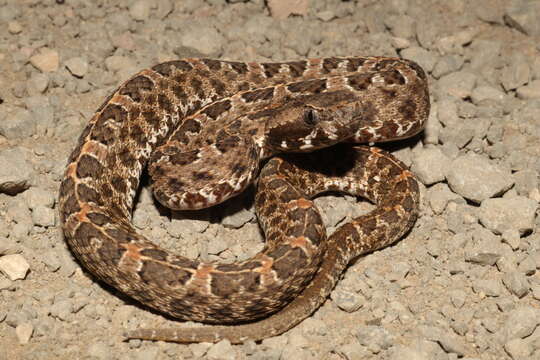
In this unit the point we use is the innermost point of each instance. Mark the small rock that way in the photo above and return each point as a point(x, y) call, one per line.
point(516, 283)
point(521, 322)
point(516, 74)
point(37, 84)
point(527, 266)
point(15, 172)
point(476, 178)
point(449, 342)
point(375, 338)
point(523, 16)
point(15, 27)
point(47, 60)
point(39, 197)
point(14, 266)
point(237, 219)
point(430, 165)
point(439, 195)
point(43, 216)
point(518, 349)
point(77, 66)
point(19, 124)
point(206, 41)
point(503, 214)
point(423, 57)
point(24, 332)
point(459, 84)
point(281, 9)
point(486, 92)
point(512, 238)
point(222, 350)
point(346, 300)
point(447, 64)
point(530, 91)
point(140, 10)
point(326, 15)
point(489, 287)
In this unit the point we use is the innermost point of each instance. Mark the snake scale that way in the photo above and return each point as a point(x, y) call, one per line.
point(202, 127)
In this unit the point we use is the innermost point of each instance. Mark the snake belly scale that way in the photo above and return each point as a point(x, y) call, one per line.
point(202, 127)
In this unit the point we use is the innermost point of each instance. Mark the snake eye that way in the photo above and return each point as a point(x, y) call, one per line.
point(311, 117)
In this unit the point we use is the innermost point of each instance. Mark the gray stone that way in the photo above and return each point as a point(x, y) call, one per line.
point(458, 84)
point(449, 342)
point(521, 322)
point(375, 338)
point(439, 195)
point(347, 300)
point(430, 165)
point(205, 40)
point(43, 216)
point(222, 350)
point(523, 16)
point(530, 91)
point(502, 214)
point(37, 84)
point(525, 181)
point(516, 283)
point(36, 196)
point(402, 26)
point(446, 65)
point(140, 10)
point(19, 124)
point(476, 178)
point(423, 57)
point(77, 66)
point(516, 74)
point(486, 92)
point(518, 349)
point(488, 287)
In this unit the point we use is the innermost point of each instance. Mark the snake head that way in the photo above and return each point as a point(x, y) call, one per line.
point(315, 121)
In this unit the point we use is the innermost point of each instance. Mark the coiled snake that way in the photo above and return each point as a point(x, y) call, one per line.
point(202, 127)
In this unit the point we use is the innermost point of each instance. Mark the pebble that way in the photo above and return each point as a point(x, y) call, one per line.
point(476, 178)
point(523, 16)
point(18, 124)
point(501, 214)
point(521, 322)
point(374, 338)
point(140, 10)
point(77, 66)
point(205, 40)
point(518, 349)
point(439, 195)
point(14, 266)
point(529, 91)
point(46, 60)
point(281, 9)
point(458, 84)
point(516, 74)
point(43, 216)
point(24, 332)
point(430, 165)
point(15, 172)
point(488, 287)
point(516, 283)
point(423, 57)
point(347, 300)
point(37, 84)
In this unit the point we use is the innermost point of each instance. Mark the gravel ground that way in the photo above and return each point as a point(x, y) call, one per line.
point(464, 283)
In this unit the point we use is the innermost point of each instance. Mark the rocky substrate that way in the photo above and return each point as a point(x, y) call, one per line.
point(463, 284)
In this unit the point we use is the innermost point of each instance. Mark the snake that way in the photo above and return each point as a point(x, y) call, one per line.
point(204, 130)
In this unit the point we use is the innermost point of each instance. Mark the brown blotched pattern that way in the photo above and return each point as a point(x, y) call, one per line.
point(202, 127)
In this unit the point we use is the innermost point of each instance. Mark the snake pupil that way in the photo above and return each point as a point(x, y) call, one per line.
point(311, 117)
